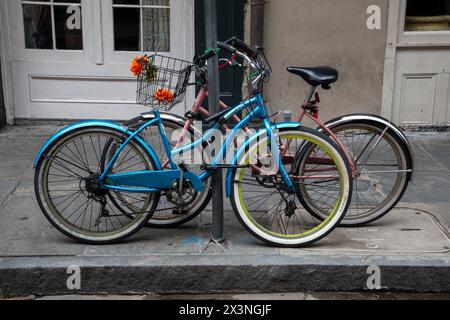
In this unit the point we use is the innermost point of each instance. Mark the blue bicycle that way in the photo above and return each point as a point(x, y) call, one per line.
point(99, 182)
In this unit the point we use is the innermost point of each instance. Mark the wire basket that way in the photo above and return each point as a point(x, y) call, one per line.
point(264, 65)
point(162, 81)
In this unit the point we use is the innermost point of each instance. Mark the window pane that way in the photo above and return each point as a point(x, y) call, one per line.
point(156, 29)
point(37, 21)
point(427, 15)
point(68, 27)
point(128, 2)
point(156, 2)
point(126, 29)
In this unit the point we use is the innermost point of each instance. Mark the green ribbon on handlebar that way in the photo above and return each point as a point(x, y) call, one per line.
point(250, 76)
point(211, 49)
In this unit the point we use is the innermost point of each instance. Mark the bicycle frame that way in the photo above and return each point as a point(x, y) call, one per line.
point(198, 108)
point(156, 181)
point(315, 118)
point(306, 111)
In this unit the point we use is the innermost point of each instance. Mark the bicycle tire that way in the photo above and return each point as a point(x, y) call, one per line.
point(317, 233)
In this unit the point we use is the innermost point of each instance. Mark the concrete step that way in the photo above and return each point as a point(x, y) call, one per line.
point(410, 250)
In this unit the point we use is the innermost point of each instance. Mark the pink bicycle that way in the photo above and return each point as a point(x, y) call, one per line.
point(378, 152)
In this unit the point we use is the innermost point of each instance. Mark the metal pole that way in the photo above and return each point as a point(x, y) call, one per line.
point(257, 26)
point(2, 105)
point(257, 23)
point(213, 100)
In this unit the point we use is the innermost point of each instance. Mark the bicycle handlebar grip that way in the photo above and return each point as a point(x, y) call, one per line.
point(209, 55)
point(202, 58)
point(242, 46)
point(226, 47)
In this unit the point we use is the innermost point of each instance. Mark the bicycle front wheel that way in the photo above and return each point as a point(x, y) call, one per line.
point(275, 214)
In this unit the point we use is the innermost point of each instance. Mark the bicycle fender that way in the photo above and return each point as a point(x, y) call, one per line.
point(252, 139)
point(95, 123)
point(380, 122)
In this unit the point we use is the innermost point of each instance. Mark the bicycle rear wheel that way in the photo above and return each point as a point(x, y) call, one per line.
point(68, 192)
point(382, 172)
point(274, 214)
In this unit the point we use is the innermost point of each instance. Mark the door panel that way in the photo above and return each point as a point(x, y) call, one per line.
point(421, 94)
point(417, 105)
point(73, 91)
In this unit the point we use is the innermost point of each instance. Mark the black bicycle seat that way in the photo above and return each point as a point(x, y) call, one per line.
point(317, 76)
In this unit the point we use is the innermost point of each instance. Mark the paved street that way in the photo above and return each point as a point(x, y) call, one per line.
point(411, 244)
point(267, 297)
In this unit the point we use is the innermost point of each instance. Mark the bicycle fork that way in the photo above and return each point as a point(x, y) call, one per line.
point(278, 156)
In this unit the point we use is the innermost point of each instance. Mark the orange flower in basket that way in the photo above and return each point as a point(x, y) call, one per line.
point(138, 65)
point(163, 95)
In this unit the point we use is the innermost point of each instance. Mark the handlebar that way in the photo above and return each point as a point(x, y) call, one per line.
point(253, 56)
point(238, 51)
point(232, 46)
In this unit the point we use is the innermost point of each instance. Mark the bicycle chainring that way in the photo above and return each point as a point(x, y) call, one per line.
point(181, 197)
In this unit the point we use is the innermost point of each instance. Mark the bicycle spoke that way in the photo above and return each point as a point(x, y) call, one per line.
point(379, 167)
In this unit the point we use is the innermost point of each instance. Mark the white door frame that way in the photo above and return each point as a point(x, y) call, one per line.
point(389, 62)
point(5, 62)
point(396, 38)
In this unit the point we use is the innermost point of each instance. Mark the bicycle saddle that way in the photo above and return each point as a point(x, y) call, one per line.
point(318, 76)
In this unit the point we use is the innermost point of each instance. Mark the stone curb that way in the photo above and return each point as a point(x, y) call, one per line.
point(24, 276)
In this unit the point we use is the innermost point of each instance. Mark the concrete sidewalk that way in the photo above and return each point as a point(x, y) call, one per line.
point(411, 245)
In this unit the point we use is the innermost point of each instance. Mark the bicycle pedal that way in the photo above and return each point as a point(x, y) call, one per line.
point(194, 116)
point(105, 213)
point(223, 167)
point(177, 212)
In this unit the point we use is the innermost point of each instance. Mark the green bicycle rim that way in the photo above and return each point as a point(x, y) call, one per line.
point(309, 232)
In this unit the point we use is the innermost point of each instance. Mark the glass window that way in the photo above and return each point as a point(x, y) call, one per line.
point(427, 15)
point(141, 25)
point(53, 24)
